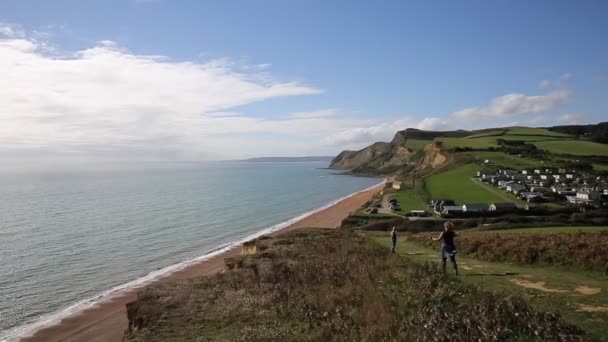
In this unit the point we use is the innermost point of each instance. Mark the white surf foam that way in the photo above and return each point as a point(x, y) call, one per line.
point(30, 329)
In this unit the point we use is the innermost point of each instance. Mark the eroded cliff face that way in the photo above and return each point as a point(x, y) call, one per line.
point(387, 158)
point(350, 160)
point(433, 157)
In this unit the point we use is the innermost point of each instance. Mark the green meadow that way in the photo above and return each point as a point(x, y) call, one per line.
point(573, 147)
point(456, 184)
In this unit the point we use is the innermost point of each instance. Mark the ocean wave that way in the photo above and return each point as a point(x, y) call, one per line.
point(14, 334)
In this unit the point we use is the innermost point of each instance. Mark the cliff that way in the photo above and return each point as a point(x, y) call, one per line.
point(396, 156)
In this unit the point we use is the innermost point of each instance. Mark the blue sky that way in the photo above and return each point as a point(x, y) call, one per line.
point(353, 72)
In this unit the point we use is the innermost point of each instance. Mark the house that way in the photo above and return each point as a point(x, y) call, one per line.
point(504, 184)
point(516, 188)
point(569, 176)
point(538, 189)
point(587, 196)
point(525, 172)
point(438, 204)
point(537, 171)
point(451, 210)
point(474, 208)
point(544, 177)
point(397, 185)
point(559, 188)
point(507, 172)
point(556, 177)
point(532, 197)
point(503, 207)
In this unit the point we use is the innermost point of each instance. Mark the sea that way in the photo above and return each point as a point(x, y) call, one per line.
point(71, 239)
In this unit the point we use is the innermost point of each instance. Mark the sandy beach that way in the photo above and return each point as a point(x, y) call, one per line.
point(107, 321)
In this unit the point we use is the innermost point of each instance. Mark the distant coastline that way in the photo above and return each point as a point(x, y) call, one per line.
point(289, 159)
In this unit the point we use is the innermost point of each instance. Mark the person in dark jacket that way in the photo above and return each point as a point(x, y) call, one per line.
point(394, 239)
point(448, 247)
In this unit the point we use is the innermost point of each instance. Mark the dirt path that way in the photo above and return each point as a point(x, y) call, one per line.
point(494, 191)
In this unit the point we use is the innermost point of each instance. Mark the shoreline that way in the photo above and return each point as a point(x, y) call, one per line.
point(106, 319)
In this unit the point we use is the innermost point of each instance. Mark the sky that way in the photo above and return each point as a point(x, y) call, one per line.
point(158, 80)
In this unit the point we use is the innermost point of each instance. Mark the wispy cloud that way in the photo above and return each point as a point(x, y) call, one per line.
point(515, 104)
point(570, 118)
point(107, 98)
point(322, 113)
point(500, 112)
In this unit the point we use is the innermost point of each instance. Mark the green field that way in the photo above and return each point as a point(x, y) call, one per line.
point(486, 134)
point(409, 200)
point(483, 142)
point(545, 230)
point(502, 277)
point(488, 139)
point(535, 131)
point(530, 137)
point(456, 184)
point(600, 167)
point(574, 147)
point(502, 159)
point(416, 144)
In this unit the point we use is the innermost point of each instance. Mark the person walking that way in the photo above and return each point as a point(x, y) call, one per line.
point(448, 247)
point(394, 239)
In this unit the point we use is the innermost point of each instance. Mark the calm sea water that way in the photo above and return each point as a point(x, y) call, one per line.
point(67, 239)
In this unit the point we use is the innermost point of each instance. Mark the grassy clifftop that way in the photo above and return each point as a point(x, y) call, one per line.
point(325, 285)
point(539, 145)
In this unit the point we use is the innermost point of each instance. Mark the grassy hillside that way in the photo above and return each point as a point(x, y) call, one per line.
point(501, 159)
point(573, 147)
point(546, 230)
point(580, 296)
point(417, 144)
point(334, 285)
point(456, 184)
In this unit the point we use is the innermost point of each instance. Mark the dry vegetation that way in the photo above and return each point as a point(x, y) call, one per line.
point(324, 285)
point(581, 250)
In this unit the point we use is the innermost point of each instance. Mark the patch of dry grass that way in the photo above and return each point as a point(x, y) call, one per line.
point(333, 285)
point(583, 250)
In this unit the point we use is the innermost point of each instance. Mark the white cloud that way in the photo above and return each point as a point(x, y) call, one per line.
point(11, 30)
point(322, 113)
point(544, 84)
point(570, 118)
point(515, 104)
point(107, 99)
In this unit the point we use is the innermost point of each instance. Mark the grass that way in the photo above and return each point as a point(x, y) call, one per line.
point(479, 143)
point(456, 184)
point(533, 135)
point(545, 230)
point(600, 167)
point(535, 131)
point(573, 147)
point(491, 276)
point(531, 138)
point(487, 134)
point(408, 201)
point(333, 285)
point(501, 159)
point(416, 144)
